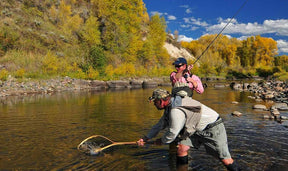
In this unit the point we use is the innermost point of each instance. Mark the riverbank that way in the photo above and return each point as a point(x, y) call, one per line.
point(14, 87)
point(271, 90)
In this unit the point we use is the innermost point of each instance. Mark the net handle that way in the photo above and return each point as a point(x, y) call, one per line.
point(110, 145)
point(116, 143)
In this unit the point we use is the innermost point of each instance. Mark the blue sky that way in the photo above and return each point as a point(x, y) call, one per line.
point(194, 18)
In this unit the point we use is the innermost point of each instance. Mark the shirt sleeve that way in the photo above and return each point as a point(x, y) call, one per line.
point(173, 78)
point(156, 128)
point(199, 89)
point(176, 123)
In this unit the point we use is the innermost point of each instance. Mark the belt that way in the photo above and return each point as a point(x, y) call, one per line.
point(211, 125)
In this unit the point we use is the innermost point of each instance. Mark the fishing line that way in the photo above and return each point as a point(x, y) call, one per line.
point(221, 31)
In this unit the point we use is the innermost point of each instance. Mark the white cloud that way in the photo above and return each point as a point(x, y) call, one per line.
point(221, 20)
point(156, 12)
point(185, 25)
point(243, 37)
point(195, 21)
point(229, 36)
point(188, 11)
point(282, 46)
point(194, 28)
point(184, 38)
point(279, 27)
point(184, 6)
point(171, 17)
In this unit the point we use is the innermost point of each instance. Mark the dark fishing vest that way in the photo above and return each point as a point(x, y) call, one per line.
point(175, 90)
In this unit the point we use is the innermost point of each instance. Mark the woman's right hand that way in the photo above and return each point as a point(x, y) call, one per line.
point(190, 67)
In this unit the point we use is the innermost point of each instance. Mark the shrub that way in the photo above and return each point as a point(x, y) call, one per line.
point(281, 76)
point(97, 57)
point(109, 72)
point(264, 72)
point(20, 73)
point(92, 74)
point(126, 69)
point(77, 74)
point(8, 38)
point(237, 74)
point(3, 74)
point(50, 64)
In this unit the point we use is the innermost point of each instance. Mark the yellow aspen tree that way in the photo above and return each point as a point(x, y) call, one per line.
point(266, 50)
point(91, 32)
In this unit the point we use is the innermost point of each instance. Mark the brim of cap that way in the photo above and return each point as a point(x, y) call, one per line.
point(151, 98)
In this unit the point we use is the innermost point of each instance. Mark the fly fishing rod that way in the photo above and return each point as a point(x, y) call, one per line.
point(221, 31)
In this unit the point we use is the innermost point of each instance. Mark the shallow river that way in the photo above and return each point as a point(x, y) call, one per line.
point(41, 132)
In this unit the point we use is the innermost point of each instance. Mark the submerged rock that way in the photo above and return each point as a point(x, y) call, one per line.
point(236, 113)
point(259, 107)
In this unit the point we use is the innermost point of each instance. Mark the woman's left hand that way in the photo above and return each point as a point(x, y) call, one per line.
point(190, 79)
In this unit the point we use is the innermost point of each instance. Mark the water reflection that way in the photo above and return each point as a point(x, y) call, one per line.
point(41, 132)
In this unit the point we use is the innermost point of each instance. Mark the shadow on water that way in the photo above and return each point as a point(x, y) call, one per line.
point(41, 132)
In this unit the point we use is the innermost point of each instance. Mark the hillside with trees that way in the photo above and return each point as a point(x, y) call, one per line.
point(106, 40)
point(255, 56)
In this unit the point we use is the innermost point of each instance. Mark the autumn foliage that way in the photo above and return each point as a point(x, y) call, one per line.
point(253, 56)
point(99, 39)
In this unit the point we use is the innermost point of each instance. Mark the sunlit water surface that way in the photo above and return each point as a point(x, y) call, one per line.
point(41, 132)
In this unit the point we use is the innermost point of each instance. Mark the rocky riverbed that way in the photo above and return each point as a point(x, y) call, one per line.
point(276, 91)
point(265, 90)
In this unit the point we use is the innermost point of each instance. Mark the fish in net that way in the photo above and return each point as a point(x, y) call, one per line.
point(95, 144)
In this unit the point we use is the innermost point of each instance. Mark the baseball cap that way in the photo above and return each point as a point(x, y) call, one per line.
point(179, 61)
point(159, 94)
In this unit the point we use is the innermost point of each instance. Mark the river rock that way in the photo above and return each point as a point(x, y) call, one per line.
point(118, 84)
point(96, 84)
point(280, 106)
point(219, 85)
point(283, 108)
point(236, 113)
point(81, 84)
point(275, 112)
point(267, 116)
point(149, 84)
point(251, 97)
point(258, 100)
point(236, 86)
point(246, 86)
point(259, 107)
point(165, 84)
point(268, 96)
point(136, 83)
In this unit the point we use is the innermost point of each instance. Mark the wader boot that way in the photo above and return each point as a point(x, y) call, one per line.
point(233, 167)
point(182, 163)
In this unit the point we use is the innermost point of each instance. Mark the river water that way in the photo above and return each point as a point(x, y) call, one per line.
point(41, 132)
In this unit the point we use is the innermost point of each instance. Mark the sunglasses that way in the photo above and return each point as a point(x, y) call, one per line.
point(179, 65)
